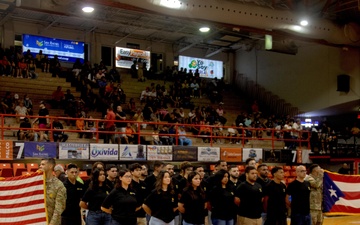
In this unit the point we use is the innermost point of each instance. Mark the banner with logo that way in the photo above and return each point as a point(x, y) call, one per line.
point(6, 150)
point(256, 153)
point(208, 154)
point(272, 155)
point(185, 153)
point(231, 154)
point(104, 151)
point(132, 152)
point(159, 152)
point(73, 150)
point(18, 149)
point(40, 149)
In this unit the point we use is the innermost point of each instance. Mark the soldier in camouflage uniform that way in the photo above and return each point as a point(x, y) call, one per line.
point(315, 179)
point(55, 192)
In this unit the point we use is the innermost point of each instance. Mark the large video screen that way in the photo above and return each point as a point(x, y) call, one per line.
point(67, 51)
point(207, 68)
point(125, 57)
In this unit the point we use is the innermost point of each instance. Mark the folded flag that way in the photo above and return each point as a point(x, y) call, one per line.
point(22, 200)
point(341, 194)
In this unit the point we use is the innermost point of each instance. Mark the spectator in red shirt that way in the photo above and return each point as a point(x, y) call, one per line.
point(109, 125)
point(57, 98)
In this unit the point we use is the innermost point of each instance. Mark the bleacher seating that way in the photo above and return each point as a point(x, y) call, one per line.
point(19, 168)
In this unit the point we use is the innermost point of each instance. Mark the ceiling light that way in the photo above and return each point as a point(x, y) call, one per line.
point(173, 4)
point(204, 29)
point(304, 23)
point(88, 9)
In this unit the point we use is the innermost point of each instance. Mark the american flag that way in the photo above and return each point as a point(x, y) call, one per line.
point(22, 200)
point(341, 194)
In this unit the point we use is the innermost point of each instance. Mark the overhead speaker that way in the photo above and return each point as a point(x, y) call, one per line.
point(343, 83)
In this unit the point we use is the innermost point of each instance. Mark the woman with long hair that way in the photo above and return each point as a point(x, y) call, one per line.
point(94, 197)
point(162, 202)
point(221, 199)
point(192, 203)
point(121, 202)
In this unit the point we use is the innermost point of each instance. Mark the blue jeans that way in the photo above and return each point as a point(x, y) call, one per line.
point(98, 218)
point(222, 222)
point(185, 141)
point(299, 219)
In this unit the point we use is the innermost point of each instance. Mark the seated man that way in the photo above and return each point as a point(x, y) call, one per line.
point(57, 98)
point(164, 138)
point(24, 133)
point(58, 134)
point(182, 138)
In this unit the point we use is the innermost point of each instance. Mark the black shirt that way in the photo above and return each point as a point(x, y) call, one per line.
point(123, 203)
point(110, 184)
point(233, 186)
point(74, 192)
point(276, 206)
point(194, 204)
point(120, 124)
point(250, 200)
point(94, 198)
point(262, 182)
point(300, 197)
point(43, 112)
point(141, 193)
point(162, 205)
point(150, 182)
point(222, 203)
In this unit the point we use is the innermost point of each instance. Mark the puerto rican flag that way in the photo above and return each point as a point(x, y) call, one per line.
point(341, 194)
point(22, 200)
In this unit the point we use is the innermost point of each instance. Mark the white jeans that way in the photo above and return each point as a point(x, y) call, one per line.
point(156, 221)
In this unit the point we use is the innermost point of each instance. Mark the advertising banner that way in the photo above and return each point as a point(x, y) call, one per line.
point(125, 57)
point(66, 50)
point(159, 152)
point(185, 153)
point(132, 152)
point(6, 150)
point(256, 153)
point(18, 149)
point(40, 149)
point(207, 68)
point(231, 154)
point(104, 151)
point(73, 150)
point(272, 155)
point(208, 154)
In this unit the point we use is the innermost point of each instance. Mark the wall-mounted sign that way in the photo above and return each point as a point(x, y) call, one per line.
point(73, 150)
point(104, 151)
point(125, 57)
point(256, 153)
point(185, 153)
point(208, 154)
point(231, 154)
point(132, 152)
point(40, 149)
point(159, 152)
point(207, 68)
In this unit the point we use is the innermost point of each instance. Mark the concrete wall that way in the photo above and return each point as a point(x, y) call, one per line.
point(307, 80)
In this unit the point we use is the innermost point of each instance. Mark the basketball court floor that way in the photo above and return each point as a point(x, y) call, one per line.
point(341, 220)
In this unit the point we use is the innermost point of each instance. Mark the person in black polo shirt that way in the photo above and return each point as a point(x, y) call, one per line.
point(121, 202)
point(192, 202)
point(248, 162)
point(274, 200)
point(162, 202)
point(140, 190)
point(151, 179)
point(249, 196)
point(112, 174)
point(299, 190)
point(94, 197)
point(263, 180)
point(221, 200)
point(74, 192)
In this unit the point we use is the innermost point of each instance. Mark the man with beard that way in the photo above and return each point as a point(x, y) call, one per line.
point(274, 200)
point(249, 197)
point(263, 180)
point(248, 162)
point(234, 177)
point(140, 190)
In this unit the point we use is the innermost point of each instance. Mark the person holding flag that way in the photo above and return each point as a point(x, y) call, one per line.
point(315, 179)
